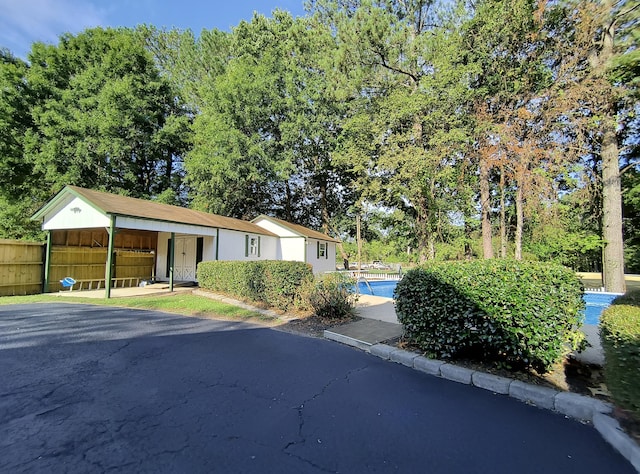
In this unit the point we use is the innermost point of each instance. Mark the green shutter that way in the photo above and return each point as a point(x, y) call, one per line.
point(326, 250)
point(258, 246)
point(246, 245)
point(318, 249)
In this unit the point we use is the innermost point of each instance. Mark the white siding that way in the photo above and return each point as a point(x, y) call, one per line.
point(232, 246)
point(275, 228)
point(323, 264)
point(293, 248)
point(209, 248)
point(270, 248)
point(208, 252)
point(76, 214)
point(161, 260)
point(145, 224)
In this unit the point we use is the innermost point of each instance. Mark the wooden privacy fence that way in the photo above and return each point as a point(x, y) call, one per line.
point(21, 267)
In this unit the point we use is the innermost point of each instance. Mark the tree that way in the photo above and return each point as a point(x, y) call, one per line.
point(405, 128)
point(631, 212)
point(18, 189)
point(504, 40)
point(234, 166)
point(268, 124)
point(597, 56)
point(103, 117)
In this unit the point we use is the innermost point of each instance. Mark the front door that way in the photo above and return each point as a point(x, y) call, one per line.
point(185, 259)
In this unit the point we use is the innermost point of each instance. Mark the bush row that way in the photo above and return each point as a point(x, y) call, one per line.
point(275, 283)
point(281, 285)
point(520, 314)
point(620, 337)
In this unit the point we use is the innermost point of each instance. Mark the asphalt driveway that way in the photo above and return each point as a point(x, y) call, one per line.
point(94, 389)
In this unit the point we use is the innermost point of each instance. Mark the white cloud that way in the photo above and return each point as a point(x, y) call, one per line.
point(23, 22)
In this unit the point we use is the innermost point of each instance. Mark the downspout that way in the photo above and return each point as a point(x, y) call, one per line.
point(172, 254)
point(47, 264)
point(109, 269)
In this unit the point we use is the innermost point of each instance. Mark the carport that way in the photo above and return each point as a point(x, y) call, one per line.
point(90, 234)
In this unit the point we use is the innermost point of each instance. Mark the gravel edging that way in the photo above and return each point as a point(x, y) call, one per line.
point(575, 406)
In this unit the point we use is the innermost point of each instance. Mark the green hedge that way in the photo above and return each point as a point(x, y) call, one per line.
point(273, 282)
point(521, 314)
point(620, 337)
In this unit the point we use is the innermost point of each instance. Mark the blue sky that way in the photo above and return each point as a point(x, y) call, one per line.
point(23, 22)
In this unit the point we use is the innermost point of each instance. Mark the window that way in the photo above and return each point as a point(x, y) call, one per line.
point(251, 246)
point(322, 250)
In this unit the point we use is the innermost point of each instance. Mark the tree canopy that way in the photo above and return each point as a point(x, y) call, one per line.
point(449, 129)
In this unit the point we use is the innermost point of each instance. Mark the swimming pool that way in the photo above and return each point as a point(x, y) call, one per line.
point(377, 288)
point(596, 302)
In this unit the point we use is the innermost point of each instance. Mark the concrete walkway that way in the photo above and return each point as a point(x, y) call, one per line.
point(148, 290)
point(379, 324)
point(377, 307)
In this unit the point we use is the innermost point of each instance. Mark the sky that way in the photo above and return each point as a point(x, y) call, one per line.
point(23, 22)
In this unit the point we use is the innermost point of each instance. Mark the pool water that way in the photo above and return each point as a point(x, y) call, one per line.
point(596, 302)
point(377, 288)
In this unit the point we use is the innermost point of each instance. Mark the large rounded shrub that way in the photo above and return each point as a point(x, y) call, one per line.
point(522, 314)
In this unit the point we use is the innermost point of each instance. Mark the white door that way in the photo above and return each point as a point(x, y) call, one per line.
point(185, 259)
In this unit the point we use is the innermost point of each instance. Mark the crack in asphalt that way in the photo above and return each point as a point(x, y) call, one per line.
point(301, 419)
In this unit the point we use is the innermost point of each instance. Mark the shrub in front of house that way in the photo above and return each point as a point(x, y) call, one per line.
point(283, 281)
point(519, 314)
point(620, 337)
point(272, 282)
point(331, 296)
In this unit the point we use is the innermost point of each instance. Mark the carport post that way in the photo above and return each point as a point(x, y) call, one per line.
point(217, 242)
point(109, 269)
point(47, 264)
point(172, 255)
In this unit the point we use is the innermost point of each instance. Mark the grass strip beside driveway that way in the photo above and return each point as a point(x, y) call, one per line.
point(179, 303)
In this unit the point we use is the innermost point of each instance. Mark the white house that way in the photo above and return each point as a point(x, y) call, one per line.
point(299, 243)
point(172, 240)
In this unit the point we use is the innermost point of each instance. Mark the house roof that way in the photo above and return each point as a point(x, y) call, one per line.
point(113, 204)
point(298, 229)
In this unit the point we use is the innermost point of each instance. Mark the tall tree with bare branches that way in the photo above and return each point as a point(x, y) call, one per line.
point(597, 43)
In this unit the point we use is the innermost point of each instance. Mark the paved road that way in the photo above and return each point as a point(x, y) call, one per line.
point(95, 389)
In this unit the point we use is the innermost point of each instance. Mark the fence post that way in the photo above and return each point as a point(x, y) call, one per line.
point(109, 270)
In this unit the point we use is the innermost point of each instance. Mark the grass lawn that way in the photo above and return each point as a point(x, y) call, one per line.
point(179, 303)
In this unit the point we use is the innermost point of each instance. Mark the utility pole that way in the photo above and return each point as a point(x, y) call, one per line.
point(359, 242)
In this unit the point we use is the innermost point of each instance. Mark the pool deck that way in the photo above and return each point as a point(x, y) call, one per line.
point(594, 353)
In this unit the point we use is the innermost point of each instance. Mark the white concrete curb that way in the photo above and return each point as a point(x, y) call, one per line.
point(610, 430)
